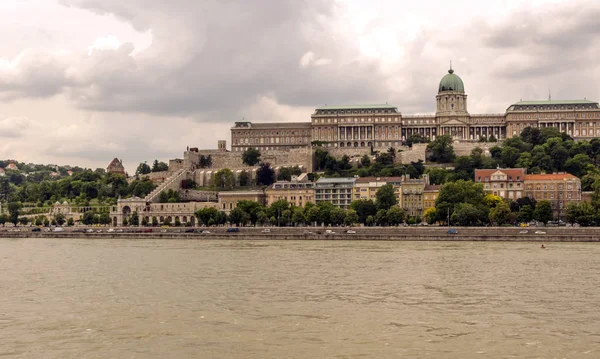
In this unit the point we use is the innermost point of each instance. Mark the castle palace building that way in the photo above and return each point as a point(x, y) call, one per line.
point(383, 125)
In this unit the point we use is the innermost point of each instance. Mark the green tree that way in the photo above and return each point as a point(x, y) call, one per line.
point(467, 214)
point(396, 216)
point(265, 175)
point(205, 215)
point(437, 175)
point(135, 219)
point(143, 169)
point(224, 178)
point(441, 149)
point(252, 208)
point(14, 209)
point(251, 156)
point(454, 193)
point(577, 165)
point(177, 222)
point(385, 197)
point(244, 179)
point(509, 156)
point(154, 222)
point(582, 213)
point(381, 217)
point(525, 214)
point(365, 160)
point(351, 218)
point(60, 219)
point(23, 221)
point(238, 216)
point(363, 208)
point(88, 218)
point(338, 216)
point(159, 166)
point(543, 211)
point(370, 221)
point(501, 214)
point(298, 216)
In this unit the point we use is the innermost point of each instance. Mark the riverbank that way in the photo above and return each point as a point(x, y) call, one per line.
point(471, 234)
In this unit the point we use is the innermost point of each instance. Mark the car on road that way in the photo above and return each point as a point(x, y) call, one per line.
point(89, 230)
point(351, 231)
point(524, 231)
point(266, 230)
point(119, 230)
point(233, 230)
point(452, 231)
point(329, 231)
point(189, 230)
point(36, 229)
point(110, 230)
point(540, 232)
point(59, 229)
point(205, 232)
point(307, 233)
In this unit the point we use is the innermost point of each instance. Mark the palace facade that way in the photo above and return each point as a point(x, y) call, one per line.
point(384, 125)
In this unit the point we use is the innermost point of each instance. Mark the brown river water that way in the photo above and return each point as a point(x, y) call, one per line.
point(62, 298)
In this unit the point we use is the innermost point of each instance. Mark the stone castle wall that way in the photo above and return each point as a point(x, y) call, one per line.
point(465, 148)
point(198, 196)
point(233, 160)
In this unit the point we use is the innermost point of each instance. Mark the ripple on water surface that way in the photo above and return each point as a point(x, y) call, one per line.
point(273, 299)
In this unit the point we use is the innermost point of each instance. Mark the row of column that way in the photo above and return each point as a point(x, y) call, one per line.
point(355, 132)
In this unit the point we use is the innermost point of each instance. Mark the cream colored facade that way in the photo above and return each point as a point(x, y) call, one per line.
point(269, 136)
point(508, 183)
point(184, 212)
point(296, 193)
point(558, 188)
point(383, 125)
point(430, 195)
point(366, 187)
point(337, 191)
point(579, 119)
point(229, 200)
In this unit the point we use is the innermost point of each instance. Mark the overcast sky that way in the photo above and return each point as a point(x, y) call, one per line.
point(84, 81)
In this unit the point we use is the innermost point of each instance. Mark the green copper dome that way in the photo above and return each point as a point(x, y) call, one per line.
point(451, 82)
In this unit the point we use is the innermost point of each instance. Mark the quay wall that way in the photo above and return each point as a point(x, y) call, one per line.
point(364, 234)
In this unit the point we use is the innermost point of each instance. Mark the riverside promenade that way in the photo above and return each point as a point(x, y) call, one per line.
point(463, 234)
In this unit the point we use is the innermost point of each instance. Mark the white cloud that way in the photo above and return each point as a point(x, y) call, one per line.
point(109, 42)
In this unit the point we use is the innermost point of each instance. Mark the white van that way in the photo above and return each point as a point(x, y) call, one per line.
point(59, 229)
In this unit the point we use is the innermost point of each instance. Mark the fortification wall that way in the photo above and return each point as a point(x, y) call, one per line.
point(233, 160)
point(198, 196)
point(414, 154)
point(465, 148)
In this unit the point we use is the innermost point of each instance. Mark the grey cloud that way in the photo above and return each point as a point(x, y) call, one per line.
point(222, 55)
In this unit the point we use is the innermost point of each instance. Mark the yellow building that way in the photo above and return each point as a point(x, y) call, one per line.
point(412, 197)
point(430, 195)
point(366, 187)
point(295, 192)
point(229, 200)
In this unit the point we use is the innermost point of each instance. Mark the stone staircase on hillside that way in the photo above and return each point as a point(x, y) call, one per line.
point(172, 182)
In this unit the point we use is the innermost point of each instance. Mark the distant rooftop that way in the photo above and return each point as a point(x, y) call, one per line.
point(557, 102)
point(336, 180)
point(356, 107)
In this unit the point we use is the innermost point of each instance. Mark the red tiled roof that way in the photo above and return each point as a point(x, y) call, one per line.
point(548, 177)
point(378, 179)
point(432, 187)
point(510, 172)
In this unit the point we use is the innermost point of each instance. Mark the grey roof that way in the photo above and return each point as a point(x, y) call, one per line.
point(276, 125)
point(557, 102)
point(356, 107)
point(336, 180)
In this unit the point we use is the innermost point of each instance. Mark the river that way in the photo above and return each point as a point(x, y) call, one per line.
point(297, 299)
